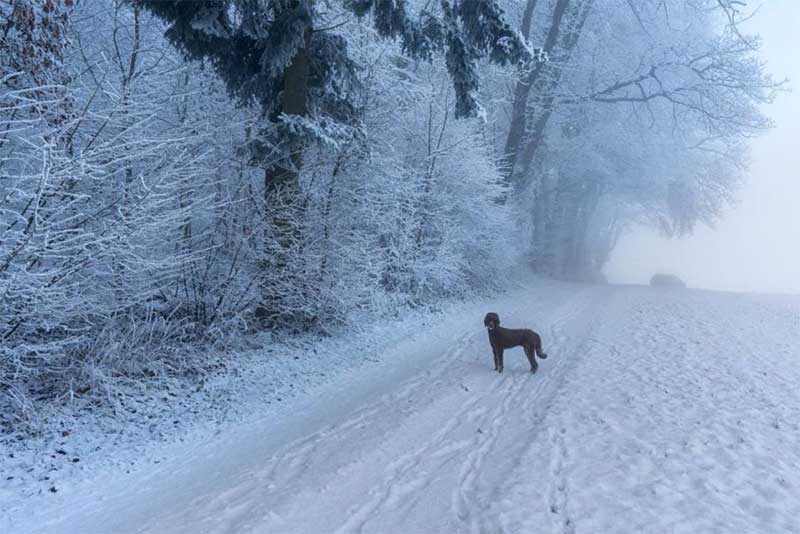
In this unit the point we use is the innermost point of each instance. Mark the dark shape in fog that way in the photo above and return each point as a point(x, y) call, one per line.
point(666, 280)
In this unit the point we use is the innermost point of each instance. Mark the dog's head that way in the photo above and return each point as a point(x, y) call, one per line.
point(491, 321)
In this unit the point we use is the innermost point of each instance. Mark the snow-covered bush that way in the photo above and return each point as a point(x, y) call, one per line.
point(112, 230)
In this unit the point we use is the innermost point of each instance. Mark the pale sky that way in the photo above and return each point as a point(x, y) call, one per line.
point(756, 246)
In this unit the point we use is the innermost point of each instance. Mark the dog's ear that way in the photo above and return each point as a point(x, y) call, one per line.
point(486, 319)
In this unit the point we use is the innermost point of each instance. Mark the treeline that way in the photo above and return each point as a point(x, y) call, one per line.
point(180, 174)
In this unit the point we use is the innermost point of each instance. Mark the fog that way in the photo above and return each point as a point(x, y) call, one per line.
point(756, 245)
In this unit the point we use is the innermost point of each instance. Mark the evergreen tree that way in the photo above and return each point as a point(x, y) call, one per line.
point(257, 46)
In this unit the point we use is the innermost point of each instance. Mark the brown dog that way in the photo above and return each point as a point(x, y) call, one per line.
point(506, 338)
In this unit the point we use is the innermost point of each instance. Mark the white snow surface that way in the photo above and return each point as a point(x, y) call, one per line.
point(656, 411)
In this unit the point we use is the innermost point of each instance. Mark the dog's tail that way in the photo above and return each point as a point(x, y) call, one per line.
point(539, 352)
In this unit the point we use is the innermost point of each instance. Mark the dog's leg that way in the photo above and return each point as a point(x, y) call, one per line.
point(529, 352)
point(496, 361)
point(500, 360)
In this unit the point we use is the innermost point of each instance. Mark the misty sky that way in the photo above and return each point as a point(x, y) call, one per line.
point(756, 246)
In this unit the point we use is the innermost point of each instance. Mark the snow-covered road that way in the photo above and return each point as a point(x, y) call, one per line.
point(657, 411)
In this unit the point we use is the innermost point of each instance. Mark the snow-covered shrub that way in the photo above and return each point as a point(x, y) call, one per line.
point(116, 220)
point(441, 228)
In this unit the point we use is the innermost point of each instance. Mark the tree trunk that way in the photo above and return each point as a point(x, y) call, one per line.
point(282, 195)
point(516, 131)
point(548, 87)
point(580, 266)
point(527, 18)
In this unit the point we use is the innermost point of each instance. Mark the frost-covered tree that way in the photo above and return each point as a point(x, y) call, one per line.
point(640, 104)
point(286, 56)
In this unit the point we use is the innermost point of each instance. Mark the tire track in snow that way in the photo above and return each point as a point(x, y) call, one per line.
point(297, 461)
point(479, 451)
point(471, 503)
point(403, 474)
point(297, 455)
point(464, 498)
point(397, 473)
point(313, 469)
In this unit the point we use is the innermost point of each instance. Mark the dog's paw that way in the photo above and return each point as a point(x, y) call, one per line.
point(543, 356)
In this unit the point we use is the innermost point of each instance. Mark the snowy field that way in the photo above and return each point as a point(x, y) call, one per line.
point(657, 411)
